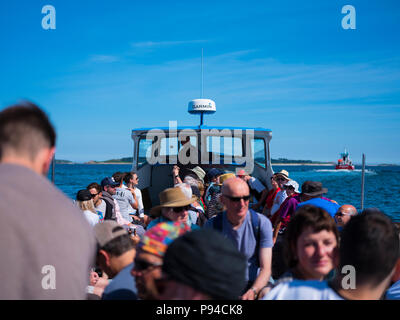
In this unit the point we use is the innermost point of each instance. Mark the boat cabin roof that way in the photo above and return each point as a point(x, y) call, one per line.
point(198, 128)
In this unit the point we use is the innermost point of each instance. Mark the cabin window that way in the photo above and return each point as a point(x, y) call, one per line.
point(226, 148)
point(165, 147)
point(258, 151)
point(144, 150)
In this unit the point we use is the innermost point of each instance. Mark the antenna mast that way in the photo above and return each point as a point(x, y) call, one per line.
point(201, 93)
point(202, 78)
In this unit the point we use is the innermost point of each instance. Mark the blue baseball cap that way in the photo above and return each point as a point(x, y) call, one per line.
point(213, 172)
point(109, 181)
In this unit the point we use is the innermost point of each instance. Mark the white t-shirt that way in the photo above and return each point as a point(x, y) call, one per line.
point(302, 290)
point(279, 198)
point(140, 203)
point(124, 198)
point(256, 184)
point(101, 210)
point(91, 217)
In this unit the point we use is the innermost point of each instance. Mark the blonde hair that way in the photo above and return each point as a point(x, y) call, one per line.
point(86, 205)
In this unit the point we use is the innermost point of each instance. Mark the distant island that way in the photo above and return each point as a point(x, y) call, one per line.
point(279, 161)
point(63, 161)
point(299, 162)
point(129, 160)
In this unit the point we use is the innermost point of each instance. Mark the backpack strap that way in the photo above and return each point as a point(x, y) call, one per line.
point(255, 222)
point(217, 221)
point(109, 215)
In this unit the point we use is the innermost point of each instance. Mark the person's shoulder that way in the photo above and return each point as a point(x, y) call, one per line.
point(210, 222)
point(122, 286)
point(302, 290)
point(393, 293)
point(262, 218)
point(194, 227)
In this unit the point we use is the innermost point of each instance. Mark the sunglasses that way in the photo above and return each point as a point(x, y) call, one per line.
point(180, 209)
point(340, 214)
point(237, 199)
point(141, 265)
point(95, 194)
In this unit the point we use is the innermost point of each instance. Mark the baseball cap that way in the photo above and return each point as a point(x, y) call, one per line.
point(108, 230)
point(293, 184)
point(83, 195)
point(109, 181)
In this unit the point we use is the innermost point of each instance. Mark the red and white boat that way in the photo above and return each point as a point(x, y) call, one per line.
point(344, 163)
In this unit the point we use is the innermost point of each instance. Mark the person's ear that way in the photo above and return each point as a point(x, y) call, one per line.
point(396, 275)
point(103, 258)
point(44, 159)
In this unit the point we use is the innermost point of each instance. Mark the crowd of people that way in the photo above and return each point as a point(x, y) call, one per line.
point(214, 235)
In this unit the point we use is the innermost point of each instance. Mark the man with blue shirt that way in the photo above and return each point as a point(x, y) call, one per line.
point(115, 254)
point(311, 193)
point(249, 231)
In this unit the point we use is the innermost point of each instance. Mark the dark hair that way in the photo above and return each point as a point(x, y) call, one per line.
point(306, 216)
point(119, 245)
point(128, 176)
point(370, 243)
point(118, 176)
point(94, 185)
point(25, 129)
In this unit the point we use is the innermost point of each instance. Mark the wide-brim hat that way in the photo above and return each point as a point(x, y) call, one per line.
point(283, 173)
point(199, 172)
point(313, 188)
point(170, 198)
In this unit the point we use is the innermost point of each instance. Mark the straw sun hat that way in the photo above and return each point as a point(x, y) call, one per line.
point(170, 198)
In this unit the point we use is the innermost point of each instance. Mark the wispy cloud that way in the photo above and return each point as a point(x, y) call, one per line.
point(104, 58)
point(154, 44)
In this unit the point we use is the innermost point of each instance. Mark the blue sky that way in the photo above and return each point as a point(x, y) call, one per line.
point(112, 66)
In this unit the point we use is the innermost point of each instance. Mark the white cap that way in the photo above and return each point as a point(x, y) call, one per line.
point(294, 184)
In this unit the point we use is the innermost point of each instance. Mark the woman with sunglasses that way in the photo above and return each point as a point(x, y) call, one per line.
point(85, 203)
point(287, 209)
point(271, 196)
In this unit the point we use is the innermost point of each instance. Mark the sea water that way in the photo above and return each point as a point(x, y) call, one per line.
point(382, 183)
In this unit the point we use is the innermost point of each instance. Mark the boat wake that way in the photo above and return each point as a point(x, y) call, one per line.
point(345, 171)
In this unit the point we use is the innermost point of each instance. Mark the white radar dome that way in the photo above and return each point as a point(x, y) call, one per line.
point(198, 106)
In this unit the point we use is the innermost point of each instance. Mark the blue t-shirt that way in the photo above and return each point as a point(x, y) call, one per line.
point(394, 292)
point(244, 240)
point(328, 206)
point(122, 286)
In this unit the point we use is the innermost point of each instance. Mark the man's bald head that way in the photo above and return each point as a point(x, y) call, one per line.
point(348, 209)
point(344, 214)
point(235, 198)
point(234, 184)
